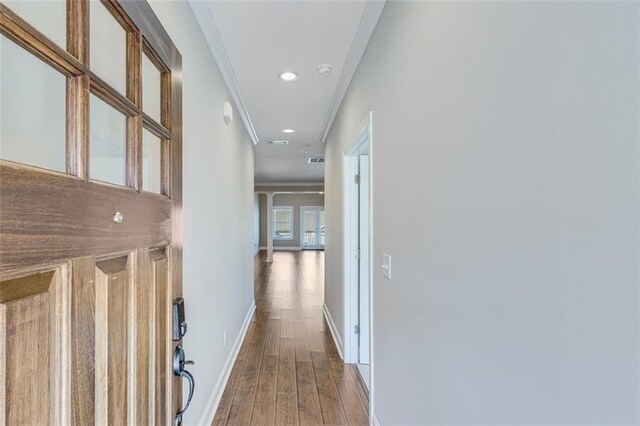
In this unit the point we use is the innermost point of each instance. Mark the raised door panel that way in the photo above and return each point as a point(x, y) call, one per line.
point(143, 342)
point(162, 341)
point(83, 343)
point(112, 288)
point(32, 386)
point(151, 350)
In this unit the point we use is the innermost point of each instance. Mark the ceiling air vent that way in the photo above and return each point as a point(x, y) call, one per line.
point(278, 142)
point(316, 160)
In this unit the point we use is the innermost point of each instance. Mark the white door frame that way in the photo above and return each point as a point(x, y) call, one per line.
point(360, 143)
point(364, 279)
point(318, 209)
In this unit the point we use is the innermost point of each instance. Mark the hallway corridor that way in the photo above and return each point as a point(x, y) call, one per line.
point(288, 371)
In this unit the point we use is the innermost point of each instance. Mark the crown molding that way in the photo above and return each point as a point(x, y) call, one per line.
point(206, 22)
point(370, 16)
point(204, 16)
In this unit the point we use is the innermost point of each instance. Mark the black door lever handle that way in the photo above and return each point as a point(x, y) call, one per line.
point(178, 370)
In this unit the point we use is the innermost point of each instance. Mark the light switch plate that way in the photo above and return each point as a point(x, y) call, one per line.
point(386, 265)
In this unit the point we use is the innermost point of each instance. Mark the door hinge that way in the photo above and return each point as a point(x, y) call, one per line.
point(358, 254)
point(356, 329)
point(357, 179)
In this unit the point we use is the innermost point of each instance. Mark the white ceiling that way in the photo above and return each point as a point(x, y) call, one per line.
point(255, 41)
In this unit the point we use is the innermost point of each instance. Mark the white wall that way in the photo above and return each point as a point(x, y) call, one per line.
point(256, 223)
point(218, 208)
point(505, 174)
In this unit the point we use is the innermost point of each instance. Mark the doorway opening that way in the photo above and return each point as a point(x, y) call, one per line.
point(357, 190)
point(312, 227)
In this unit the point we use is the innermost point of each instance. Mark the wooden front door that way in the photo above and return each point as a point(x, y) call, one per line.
point(90, 252)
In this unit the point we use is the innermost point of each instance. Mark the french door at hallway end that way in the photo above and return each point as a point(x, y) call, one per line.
point(312, 227)
point(90, 234)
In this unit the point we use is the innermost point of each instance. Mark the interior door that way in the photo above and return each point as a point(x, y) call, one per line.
point(363, 266)
point(90, 230)
point(312, 227)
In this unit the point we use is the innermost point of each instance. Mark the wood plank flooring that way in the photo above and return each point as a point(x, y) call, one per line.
point(288, 371)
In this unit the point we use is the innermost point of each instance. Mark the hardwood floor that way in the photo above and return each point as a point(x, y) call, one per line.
point(288, 371)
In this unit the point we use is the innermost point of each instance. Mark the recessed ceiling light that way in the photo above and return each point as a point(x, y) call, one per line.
point(288, 76)
point(288, 131)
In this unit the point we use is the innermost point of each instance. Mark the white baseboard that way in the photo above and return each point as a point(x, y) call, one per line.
point(333, 329)
point(287, 248)
point(374, 420)
point(218, 389)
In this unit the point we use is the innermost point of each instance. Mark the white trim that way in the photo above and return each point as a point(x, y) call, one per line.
point(361, 142)
point(288, 184)
point(332, 328)
point(374, 420)
point(204, 15)
point(370, 16)
point(302, 224)
point(371, 271)
point(284, 248)
point(290, 192)
point(350, 261)
point(218, 389)
point(299, 192)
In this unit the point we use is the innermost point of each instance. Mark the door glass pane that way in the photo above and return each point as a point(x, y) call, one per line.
point(108, 148)
point(321, 224)
point(151, 162)
point(310, 228)
point(48, 17)
point(150, 88)
point(32, 109)
point(108, 47)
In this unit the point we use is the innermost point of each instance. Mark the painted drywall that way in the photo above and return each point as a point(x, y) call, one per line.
point(505, 187)
point(256, 223)
point(218, 208)
point(295, 200)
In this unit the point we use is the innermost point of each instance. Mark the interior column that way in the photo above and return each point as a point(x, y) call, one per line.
point(269, 226)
